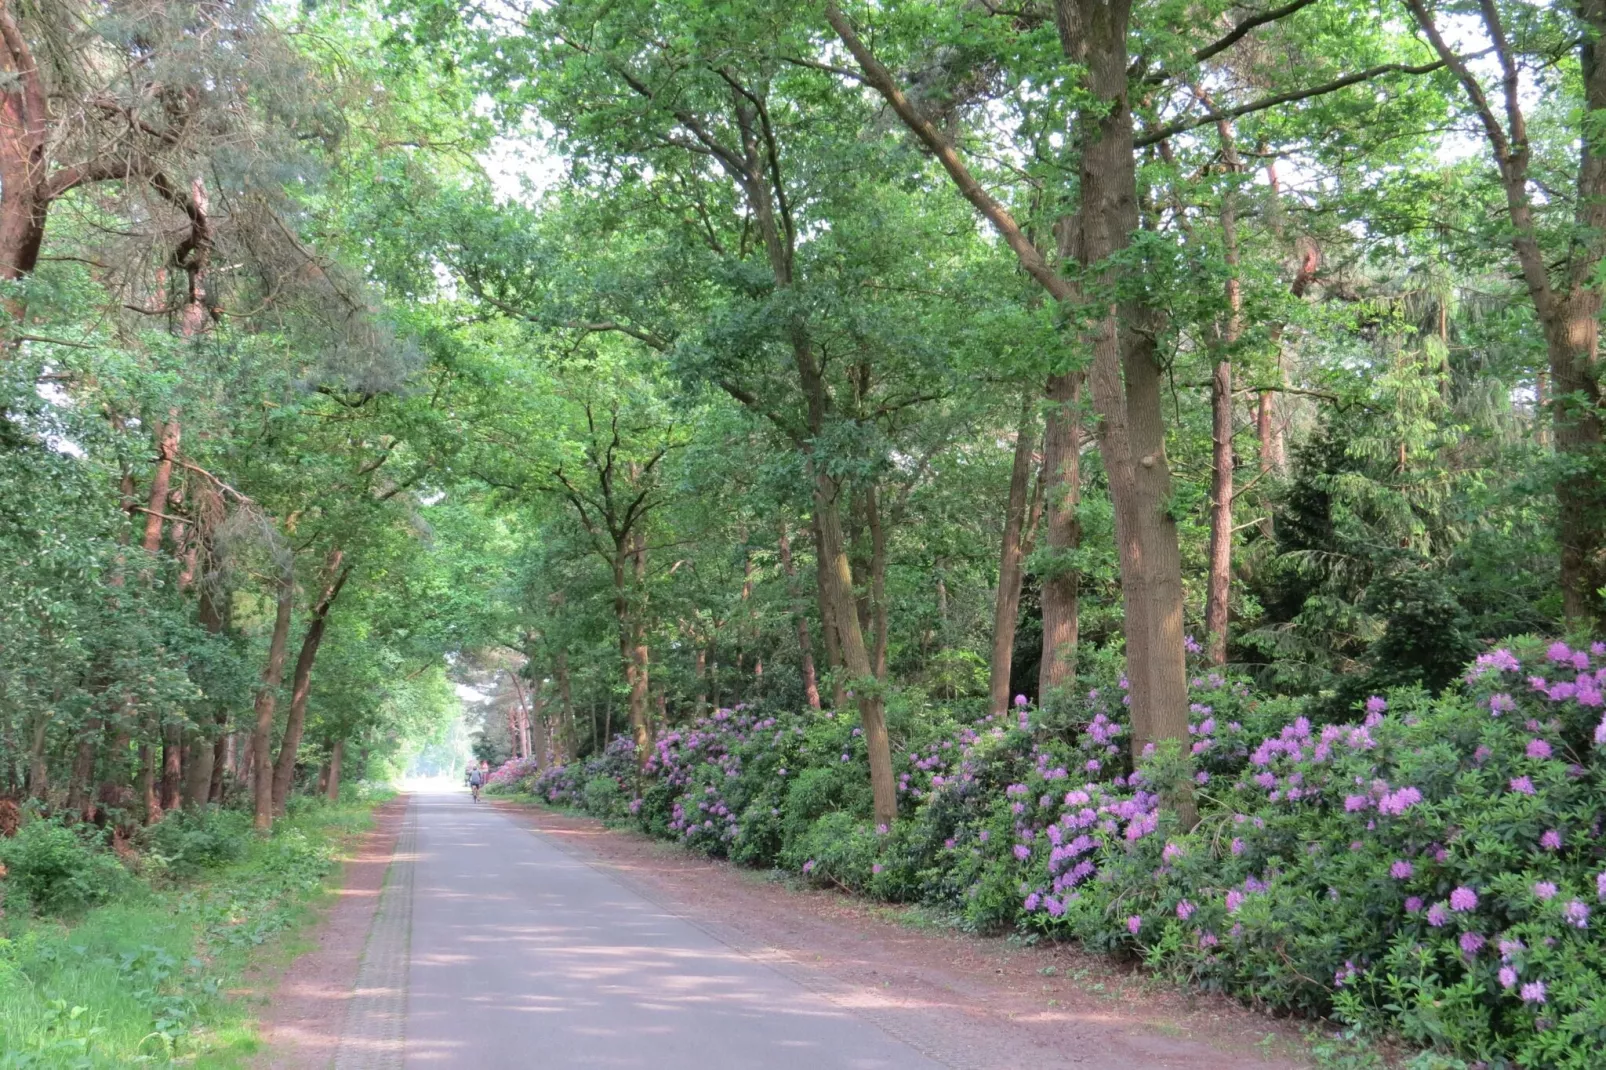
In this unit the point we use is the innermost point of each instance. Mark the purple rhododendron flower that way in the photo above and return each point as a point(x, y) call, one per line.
point(1508, 977)
point(1550, 840)
point(1235, 899)
point(1376, 704)
point(1401, 870)
point(1463, 898)
point(1437, 915)
point(1022, 852)
point(1600, 886)
point(1134, 923)
point(1538, 748)
point(1413, 904)
point(1020, 701)
point(1032, 902)
point(1397, 802)
point(1522, 785)
point(1238, 849)
point(1559, 652)
point(1576, 914)
point(1501, 703)
point(1471, 943)
point(1185, 910)
point(1533, 992)
point(1544, 890)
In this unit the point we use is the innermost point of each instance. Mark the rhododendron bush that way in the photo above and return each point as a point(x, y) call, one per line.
point(1431, 869)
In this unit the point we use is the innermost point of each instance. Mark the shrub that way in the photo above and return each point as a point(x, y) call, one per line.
point(605, 797)
point(58, 871)
point(188, 842)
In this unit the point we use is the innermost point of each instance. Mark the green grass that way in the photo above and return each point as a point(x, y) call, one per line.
point(145, 979)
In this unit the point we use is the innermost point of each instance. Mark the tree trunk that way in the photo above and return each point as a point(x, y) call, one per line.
point(161, 481)
point(571, 742)
point(878, 584)
point(267, 701)
point(1061, 582)
point(702, 681)
point(335, 754)
point(856, 658)
point(145, 784)
point(628, 556)
point(805, 645)
point(172, 766)
point(24, 174)
point(205, 748)
point(828, 629)
point(38, 768)
point(284, 769)
point(1011, 559)
point(1573, 337)
point(222, 754)
point(538, 739)
point(1126, 379)
point(1218, 593)
point(1218, 596)
point(83, 766)
point(1131, 431)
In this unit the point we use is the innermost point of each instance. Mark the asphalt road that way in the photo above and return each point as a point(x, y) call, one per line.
point(523, 956)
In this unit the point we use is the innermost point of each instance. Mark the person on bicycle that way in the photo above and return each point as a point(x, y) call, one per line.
point(476, 780)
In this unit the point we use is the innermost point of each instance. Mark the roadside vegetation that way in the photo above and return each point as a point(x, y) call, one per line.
point(132, 958)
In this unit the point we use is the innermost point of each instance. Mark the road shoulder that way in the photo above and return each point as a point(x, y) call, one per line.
point(985, 1001)
point(307, 1003)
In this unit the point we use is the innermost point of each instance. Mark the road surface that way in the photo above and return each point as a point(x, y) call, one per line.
point(522, 955)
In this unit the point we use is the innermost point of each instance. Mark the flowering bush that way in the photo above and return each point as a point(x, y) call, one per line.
point(1431, 869)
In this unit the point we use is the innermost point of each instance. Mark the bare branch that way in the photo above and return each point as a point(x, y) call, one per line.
point(1292, 96)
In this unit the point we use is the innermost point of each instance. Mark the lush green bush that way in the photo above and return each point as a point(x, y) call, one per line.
point(185, 843)
point(57, 870)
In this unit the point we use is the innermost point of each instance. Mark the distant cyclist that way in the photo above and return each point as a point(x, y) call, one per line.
point(476, 780)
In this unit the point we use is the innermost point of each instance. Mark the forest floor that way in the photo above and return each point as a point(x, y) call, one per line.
point(991, 1001)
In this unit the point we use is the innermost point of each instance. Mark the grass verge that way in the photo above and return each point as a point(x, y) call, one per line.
point(145, 980)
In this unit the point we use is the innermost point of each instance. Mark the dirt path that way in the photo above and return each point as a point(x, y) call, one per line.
point(303, 1017)
point(988, 1001)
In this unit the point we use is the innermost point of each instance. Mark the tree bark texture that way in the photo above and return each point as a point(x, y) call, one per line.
point(629, 560)
point(1011, 559)
point(1218, 592)
point(1062, 488)
point(805, 645)
point(336, 752)
point(267, 701)
point(284, 768)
